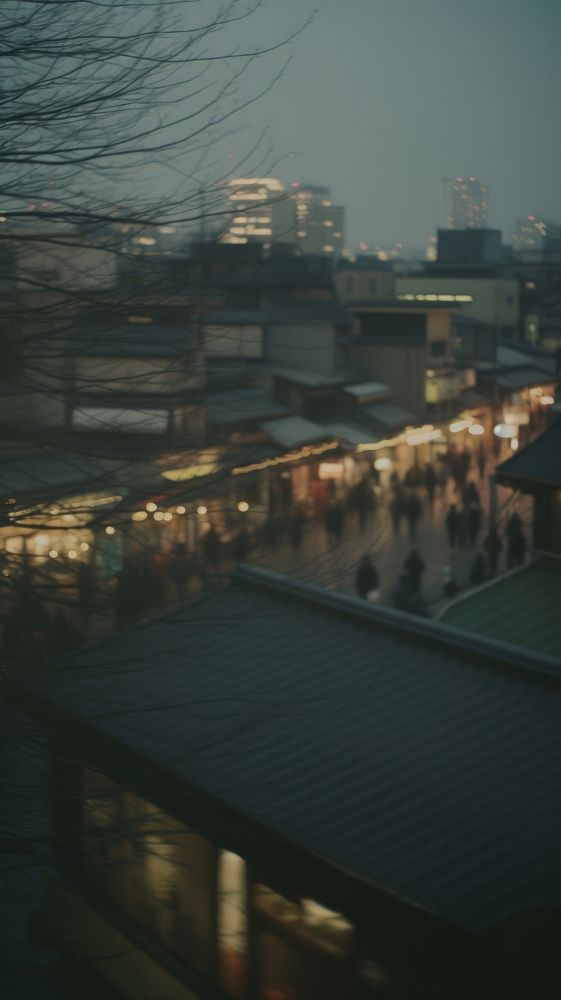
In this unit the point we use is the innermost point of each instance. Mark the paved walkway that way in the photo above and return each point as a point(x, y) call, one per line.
point(335, 565)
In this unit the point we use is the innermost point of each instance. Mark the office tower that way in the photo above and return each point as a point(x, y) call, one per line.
point(257, 210)
point(468, 203)
point(319, 224)
point(532, 234)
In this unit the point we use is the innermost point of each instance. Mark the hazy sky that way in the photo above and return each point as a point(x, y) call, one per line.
point(385, 98)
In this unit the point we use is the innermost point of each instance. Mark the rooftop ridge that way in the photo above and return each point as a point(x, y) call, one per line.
point(535, 667)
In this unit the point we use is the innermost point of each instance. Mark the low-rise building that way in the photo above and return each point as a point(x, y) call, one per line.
point(278, 791)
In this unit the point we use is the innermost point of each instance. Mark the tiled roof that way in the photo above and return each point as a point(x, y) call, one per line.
point(521, 608)
point(539, 462)
point(290, 432)
point(28, 474)
point(134, 340)
point(237, 406)
point(389, 416)
point(418, 757)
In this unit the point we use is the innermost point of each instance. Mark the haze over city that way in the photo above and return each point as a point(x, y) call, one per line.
point(385, 98)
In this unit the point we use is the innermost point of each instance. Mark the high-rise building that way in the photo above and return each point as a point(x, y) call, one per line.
point(260, 210)
point(319, 224)
point(468, 204)
point(532, 233)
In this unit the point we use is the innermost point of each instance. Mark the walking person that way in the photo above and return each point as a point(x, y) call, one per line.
point(462, 528)
point(297, 529)
point(451, 522)
point(449, 583)
point(338, 521)
point(431, 480)
point(481, 460)
point(396, 511)
point(330, 521)
point(493, 547)
point(211, 547)
point(367, 579)
point(516, 548)
point(478, 572)
point(415, 567)
point(413, 511)
point(473, 518)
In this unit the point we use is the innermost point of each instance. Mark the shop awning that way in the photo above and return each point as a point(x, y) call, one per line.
point(353, 434)
point(290, 432)
point(523, 378)
point(389, 416)
point(366, 392)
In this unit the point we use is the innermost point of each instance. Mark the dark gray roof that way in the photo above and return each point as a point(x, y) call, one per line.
point(297, 312)
point(539, 462)
point(421, 758)
point(292, 431)
point(134, 340)
point(523, 377)
point(389, 416)
point(520, 607)
point(24, 475)
point(238, 406)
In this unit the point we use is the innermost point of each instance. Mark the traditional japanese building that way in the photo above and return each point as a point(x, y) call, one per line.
point(279, 792)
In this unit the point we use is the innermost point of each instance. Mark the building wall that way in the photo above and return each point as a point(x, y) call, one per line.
point(69, 265)
point(312, 348)
point(400, 367)
point(110, 375)
point(234, 341)
point(494, 300)
point(364, 285)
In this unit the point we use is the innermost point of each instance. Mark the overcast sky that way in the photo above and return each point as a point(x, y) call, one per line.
point(385, 98)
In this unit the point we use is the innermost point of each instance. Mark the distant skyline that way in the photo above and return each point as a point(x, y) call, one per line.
point(384, 99)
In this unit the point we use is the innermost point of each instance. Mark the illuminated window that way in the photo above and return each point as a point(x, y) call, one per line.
point(328, 223)
point(151, 865)
point(232, 923)
point(301, 942)
point(328, 248)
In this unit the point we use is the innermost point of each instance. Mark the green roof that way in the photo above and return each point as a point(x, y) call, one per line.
point(522, 609)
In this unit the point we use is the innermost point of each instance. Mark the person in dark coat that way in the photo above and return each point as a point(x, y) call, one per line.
point(413, 511)
point(478, 571)
point(462, 529)
point(451, 522)
point(338, 521)
point(513, 525)
point(367, 578)
point(430, 482)
point(449, 583)
point(330, 520)
point(211, 547)
point(415, 567)
point(396, 511)
point(473, 516)
point(297, 529)
point(516, 549)
point(493, 547)
point(481, 459)
point(179, 570)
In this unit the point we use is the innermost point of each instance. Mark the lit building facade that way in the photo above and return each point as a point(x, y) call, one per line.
point(468, 204)
point(260, 210)
point(532, 233)
point(319, 224)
